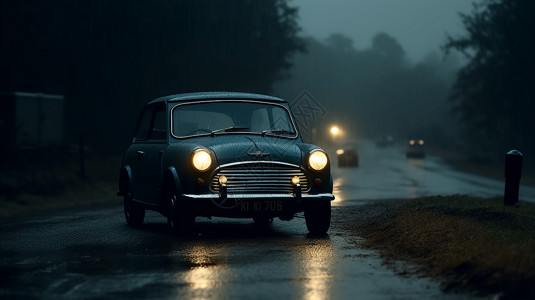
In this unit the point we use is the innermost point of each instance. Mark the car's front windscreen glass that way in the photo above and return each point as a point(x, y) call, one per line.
point(231, 117)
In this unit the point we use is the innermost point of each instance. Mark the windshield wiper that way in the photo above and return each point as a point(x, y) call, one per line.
point(284, 131)
point(228, 129)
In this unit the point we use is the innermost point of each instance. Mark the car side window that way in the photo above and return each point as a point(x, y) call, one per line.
point(159, 124)
point(152, 124)
point(143, 125)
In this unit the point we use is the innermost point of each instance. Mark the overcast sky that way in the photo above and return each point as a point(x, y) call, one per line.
point(420, 26)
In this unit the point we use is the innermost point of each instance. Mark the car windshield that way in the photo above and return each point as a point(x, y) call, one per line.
point(231, 116)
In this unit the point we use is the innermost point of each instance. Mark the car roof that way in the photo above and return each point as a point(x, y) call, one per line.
point(203, 96)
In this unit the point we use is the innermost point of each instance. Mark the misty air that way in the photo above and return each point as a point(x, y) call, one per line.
point(177, 149)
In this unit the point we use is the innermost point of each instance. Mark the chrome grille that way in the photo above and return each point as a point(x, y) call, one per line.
point(259, 177)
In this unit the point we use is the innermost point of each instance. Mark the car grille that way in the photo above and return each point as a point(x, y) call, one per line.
point(256, 177)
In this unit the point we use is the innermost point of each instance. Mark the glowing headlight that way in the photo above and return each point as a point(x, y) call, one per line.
point(411, 142)
point(317, 160)
point(421, 142)
point(202, 160)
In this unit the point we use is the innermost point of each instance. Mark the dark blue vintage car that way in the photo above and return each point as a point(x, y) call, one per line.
point(224, 154)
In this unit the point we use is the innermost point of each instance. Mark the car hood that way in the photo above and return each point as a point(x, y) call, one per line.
point(232, 148)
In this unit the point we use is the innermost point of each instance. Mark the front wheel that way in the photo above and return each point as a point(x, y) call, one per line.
point(134, 212)
point(318, 216)
point(178, 218)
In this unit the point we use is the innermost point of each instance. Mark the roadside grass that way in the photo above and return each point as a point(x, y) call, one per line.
point(492, 169)
point(55, 183)
point(470, 244)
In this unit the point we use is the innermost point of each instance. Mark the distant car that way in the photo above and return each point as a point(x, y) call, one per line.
point(347, 157)
point(415, 149)
point(222, 154)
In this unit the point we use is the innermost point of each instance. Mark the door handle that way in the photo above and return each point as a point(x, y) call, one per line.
point(140, 153)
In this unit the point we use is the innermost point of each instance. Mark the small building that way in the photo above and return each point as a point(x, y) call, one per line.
point(31, 120)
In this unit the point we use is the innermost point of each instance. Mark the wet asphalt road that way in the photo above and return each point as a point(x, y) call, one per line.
point(385, 173)
point(91, 253)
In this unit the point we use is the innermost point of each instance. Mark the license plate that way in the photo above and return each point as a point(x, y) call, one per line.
point(261, 205)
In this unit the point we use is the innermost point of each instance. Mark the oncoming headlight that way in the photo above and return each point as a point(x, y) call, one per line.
point(317, 160)
point(202, 160)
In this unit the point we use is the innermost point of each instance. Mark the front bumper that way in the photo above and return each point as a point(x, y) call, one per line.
point(284, 206)
point(306, 197)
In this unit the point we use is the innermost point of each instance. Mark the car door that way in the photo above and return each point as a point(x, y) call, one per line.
point(150, 140)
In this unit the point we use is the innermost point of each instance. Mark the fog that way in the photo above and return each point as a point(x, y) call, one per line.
point(374, 92)
point(379, 68)
point(75, 75)
point(408, 69)
point(375, 68)
point(420, 26)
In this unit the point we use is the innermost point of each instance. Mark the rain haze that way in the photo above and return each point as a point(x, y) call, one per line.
point(370, 64)
point(420, 26)
point(252, 149)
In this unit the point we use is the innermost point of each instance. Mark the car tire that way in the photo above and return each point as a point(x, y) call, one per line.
point(178, 218)
point(318, 216)
point(134, 212)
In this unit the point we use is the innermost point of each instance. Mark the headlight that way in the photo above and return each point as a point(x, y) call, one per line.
point(317, 160)
point(202, 160)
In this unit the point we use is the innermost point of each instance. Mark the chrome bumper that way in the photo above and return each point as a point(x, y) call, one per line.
point(325, 196)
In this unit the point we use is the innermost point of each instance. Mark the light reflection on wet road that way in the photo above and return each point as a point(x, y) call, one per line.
point(91, 253)
point(385, 173)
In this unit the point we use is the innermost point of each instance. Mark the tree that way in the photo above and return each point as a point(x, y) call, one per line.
point(494, 93)
point(374, 92)
point(387, 46)
point(111, 57)
point(340, 42)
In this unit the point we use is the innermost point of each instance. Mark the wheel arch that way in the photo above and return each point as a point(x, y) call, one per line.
point(171, 181)
point(125, 180)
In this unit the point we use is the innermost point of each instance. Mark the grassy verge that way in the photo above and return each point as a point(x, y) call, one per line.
point(470, 244)
point(492, 169)
point(54, 183)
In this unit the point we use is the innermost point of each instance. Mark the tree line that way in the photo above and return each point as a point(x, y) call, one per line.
point(493, 94)
point(377, 91)
point(481, 109)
